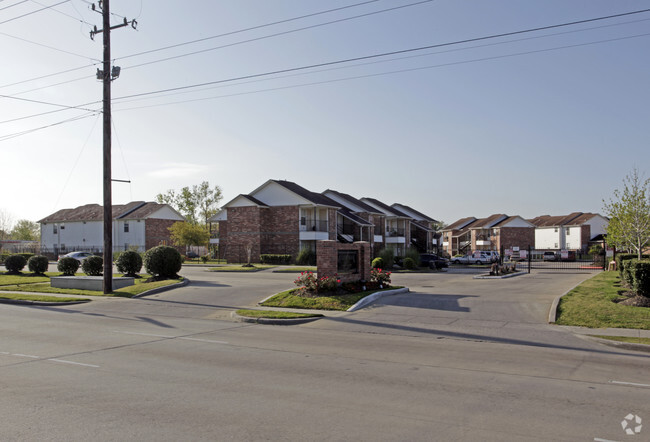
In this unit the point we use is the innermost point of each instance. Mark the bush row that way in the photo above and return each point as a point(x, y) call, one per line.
point(275, 259)
point(636, 275)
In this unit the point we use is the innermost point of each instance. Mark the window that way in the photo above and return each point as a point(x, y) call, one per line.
point(54, 230)
point(126, 227)
point(555, 247)
point(568, 231)
point(555, 230)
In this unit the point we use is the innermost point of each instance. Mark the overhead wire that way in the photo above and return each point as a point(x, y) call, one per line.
point(33, 12)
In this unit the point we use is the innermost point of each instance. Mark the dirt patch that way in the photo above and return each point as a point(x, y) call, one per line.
point(634, 300)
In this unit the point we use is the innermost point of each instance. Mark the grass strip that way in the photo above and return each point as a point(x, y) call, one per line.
point(629, 339)
point(292, 299)
point(268, 314)
point(39, 298)
point(295, 269)
point(24, 278)
point(591, 304)
point(240, 268)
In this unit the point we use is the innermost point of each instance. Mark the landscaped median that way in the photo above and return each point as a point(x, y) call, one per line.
point(41, 284)
point(599, 303)
point(274, 317)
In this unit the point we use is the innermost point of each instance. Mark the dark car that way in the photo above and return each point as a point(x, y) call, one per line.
point(433, 261)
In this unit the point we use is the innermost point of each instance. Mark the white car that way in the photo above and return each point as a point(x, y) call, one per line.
point(478, 258)
point(79, 256)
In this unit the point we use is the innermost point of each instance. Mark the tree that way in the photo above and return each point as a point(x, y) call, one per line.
point(186, 234)
point(5, 224)
point(26, 230)
point(198, 202)
point(629, 213)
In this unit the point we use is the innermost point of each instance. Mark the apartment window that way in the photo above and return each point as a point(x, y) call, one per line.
point(126, 227)
point(555, 230)
point(568, 231)
point(54, 230)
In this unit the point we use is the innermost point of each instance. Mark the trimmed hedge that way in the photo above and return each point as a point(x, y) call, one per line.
point(38, 264)
point(129, 263)
point(68, 266)
point(163, 262)
point(622, 257)
point(306, 257)
point(409, 263)
point(93, 266)
point(15, 263)
point(275, 258)
point(639, 271)
point(378, 263)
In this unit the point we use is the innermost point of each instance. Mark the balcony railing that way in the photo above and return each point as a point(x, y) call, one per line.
point(307, 225)
point(394, 231)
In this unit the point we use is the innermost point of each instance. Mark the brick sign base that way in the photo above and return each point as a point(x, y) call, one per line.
point(327, 260)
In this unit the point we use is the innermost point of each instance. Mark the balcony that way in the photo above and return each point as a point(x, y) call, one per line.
point(313, 230)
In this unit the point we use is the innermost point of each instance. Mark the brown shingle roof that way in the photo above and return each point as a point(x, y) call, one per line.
point(463, 222)
point(552, 221)
point(95, 212)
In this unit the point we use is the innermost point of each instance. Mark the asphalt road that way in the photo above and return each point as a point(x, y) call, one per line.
point(458, 359)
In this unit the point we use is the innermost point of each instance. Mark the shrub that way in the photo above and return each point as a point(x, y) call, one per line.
point(625, 270)
point(205, 258)
point(409, 263)
point(93, 266)
point(309, 282)
point(38, 264)
point(622, 257)
point(275, 258)
point(129, 263)
point(412, 253)
point(640, 272)
point(378, 263)
point(163, 262)
point(306, 257)
point(388, 255)
point(68, 266)
point(15, 263)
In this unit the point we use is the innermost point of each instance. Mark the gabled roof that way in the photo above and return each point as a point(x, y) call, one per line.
point(388, 210)
point(250, 198)
point(461, 223)
point(582, 219)
point(95, 212)
point(344, 211)
point(510, 219)
point(316, 198)
point(554, 221)
point(357, 202)
point(490, 221)
point(418, 215)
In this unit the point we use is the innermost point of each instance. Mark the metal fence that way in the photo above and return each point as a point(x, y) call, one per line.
point(553, 260)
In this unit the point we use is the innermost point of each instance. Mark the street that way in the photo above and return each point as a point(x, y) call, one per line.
point(455, 359)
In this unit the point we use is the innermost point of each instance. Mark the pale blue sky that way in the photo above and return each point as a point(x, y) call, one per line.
point(545, 122)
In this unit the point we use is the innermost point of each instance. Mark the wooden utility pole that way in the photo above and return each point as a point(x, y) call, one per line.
point(107, 75)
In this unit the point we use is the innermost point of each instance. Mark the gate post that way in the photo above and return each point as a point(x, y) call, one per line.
point(530, 257)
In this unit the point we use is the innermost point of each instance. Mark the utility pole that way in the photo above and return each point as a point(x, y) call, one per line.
point(107, 75)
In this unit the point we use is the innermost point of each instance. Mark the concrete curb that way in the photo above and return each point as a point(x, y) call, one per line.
point(552, 314)
point(618, 344)
point(372, 298)
point(183, 283)
point(269, 321)
point(40, 303)
point(509, 275)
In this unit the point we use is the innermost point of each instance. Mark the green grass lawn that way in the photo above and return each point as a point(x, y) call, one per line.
point(296, 269)
point(591, 305)
point(291, 299)
point(241, 268)
point(268, 314)
point(27, 283)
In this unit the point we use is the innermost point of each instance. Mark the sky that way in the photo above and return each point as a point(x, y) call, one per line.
point(458, 120)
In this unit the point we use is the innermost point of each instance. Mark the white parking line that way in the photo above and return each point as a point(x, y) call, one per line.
point(20, 355)
point(204, 340)
point(633, 384)
point(74, 363)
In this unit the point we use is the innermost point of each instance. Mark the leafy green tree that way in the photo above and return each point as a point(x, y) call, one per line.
point(26, 230)
point(197, 203)
point(629, 213)
point(186, 234)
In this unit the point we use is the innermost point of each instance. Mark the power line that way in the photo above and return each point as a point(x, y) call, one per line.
point(47, 47)
point(65, 14)
point(15, 4)
point(248, 29)
point(278, 34)
point(384, 54)
point(25, 132)
point(34, 12)
point(400, 71)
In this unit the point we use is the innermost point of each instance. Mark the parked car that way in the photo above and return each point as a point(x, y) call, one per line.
point(478, 258)
point(432, 260)
point(79, 256)
point(549, 256)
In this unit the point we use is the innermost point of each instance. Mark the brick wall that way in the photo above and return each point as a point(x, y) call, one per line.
point(280, 230)
point(585, 236)
point(521, 237)
point(243, 230)
point(327, 260)
point(156, 232)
